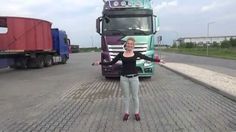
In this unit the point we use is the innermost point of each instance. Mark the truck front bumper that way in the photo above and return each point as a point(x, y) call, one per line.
point(114, 71)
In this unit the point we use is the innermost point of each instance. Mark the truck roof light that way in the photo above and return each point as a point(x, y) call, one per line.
point(129, 3)
point(116, 3)
point(123, 3)
point(138, 4)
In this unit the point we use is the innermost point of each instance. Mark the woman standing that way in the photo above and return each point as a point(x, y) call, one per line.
point(129, 80)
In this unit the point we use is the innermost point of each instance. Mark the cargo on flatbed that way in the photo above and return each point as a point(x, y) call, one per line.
point(31, 43)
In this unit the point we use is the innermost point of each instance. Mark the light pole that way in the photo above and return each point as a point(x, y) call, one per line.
point(177, 35)
point(208, 28)
point(91, 40)
point(159, 39)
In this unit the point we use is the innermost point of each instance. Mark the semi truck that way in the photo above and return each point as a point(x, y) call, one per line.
point(74, 48)
point(120, 20)
point(31, 43)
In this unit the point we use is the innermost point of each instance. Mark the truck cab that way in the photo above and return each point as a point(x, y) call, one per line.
point(120, 20)
point(61, 44)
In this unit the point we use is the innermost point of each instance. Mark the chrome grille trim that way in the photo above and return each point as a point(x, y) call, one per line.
point(115, 49)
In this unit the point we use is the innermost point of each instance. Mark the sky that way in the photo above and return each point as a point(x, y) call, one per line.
point(178, 18)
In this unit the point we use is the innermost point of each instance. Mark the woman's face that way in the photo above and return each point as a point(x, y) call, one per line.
point(129, 45)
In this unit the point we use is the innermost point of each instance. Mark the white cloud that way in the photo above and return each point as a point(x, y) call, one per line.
point(190, 17)
point(84, 3)
point(217, 4)
point(209, 7)
point(166, 4)
point(77, 17)
point(176, 7)
point(173, 3)
point(31, 7)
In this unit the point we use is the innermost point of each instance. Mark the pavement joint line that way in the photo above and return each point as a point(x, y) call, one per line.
point(213, 88)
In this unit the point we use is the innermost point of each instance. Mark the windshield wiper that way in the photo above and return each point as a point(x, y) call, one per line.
point(115, 31)
point(139, 31)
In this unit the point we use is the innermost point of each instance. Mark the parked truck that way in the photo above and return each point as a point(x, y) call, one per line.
point(120, 20)
point(74, 48)
point(31, 43)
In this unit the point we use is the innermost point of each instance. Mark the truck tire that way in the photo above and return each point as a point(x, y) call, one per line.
point(40, 61)
point(24, 65)
point(108, 78)
point(48, 61)
point(20, 63)
point(64, 59)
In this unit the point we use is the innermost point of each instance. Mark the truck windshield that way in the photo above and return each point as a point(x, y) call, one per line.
point(3, 25)
point(127, 26)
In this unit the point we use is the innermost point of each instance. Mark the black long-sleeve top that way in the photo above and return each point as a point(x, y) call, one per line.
point(129, 63)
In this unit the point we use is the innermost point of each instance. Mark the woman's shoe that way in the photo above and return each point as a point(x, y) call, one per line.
point(126, 117)
point(137, 117)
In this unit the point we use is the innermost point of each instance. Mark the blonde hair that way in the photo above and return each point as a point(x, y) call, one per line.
point(131, 39)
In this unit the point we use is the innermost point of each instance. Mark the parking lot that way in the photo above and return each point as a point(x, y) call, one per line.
point(76, 98)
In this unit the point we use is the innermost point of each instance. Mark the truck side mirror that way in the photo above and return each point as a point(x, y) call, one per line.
point(98, 25)
point(68, 41)
point(156, 24)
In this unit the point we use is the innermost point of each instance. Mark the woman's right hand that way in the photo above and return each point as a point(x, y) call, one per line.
point(96, 63)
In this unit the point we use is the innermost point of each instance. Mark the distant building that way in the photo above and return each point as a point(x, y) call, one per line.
point(203, 40)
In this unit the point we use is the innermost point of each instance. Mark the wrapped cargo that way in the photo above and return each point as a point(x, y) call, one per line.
point(25, 34)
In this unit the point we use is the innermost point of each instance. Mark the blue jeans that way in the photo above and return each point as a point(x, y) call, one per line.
point(130, 86)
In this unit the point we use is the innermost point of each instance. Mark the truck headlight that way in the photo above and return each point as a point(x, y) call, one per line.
point(147, 63)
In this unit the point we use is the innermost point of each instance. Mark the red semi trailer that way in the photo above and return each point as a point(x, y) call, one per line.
point(30, 42)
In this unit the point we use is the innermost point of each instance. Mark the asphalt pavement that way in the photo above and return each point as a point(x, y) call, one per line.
point(76, 98)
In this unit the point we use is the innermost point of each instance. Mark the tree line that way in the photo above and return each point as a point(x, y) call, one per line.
point(224, 44)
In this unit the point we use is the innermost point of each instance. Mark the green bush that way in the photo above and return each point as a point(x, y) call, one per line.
point(226, 44)
point(182, 45)
point(174, 45)
point(232, 42)
point(190, 45)
point(215, 45)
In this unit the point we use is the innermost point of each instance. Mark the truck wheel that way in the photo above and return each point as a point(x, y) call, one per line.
point(24, 64)
point(108, 78)
point(64, 60)
point(40, 61)
point(12, 66)
point(48, 61)
point(20, 63)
